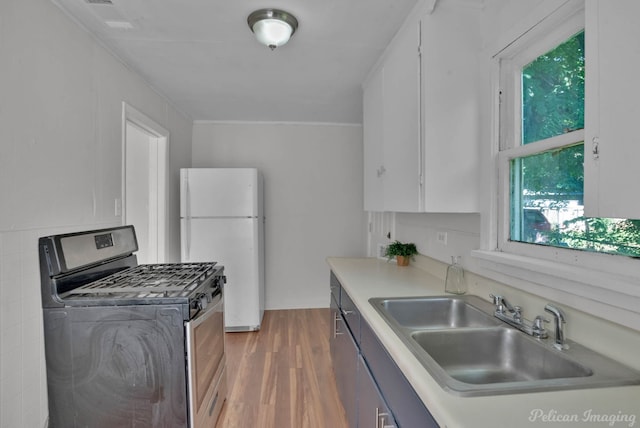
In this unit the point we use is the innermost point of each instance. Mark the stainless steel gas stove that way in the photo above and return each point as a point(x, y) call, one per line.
point(127, 344)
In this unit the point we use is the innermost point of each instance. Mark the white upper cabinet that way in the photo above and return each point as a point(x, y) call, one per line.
point(612, 145)
point(420, 104)
point(372, 117)
point(391, 119)
point(401, 131)
point(451, 45)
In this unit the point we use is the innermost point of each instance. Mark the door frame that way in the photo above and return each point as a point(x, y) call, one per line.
point(161, 137)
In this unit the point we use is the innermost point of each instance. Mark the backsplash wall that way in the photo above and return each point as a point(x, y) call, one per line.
point(461, 233)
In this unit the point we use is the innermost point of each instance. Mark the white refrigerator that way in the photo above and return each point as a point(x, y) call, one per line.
point(222, 220)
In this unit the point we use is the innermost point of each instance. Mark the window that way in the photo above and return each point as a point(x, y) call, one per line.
point(534, 236)
point(542, 149)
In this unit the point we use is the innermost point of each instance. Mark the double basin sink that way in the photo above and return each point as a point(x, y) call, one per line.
point(469, 352)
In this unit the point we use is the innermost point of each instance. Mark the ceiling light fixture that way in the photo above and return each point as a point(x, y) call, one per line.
point(272, 27)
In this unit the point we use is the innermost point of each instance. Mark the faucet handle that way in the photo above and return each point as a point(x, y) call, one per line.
point(498, 302)
point(538, 322)
point(517, 313)
point(538, 327)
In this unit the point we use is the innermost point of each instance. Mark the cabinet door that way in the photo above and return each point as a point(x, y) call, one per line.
point(391, 121)
point(372, 409)
point(409, 411)
point(611, 108)
point(401, 131)
point(372, 122)
point(451, 109)
point(344, 355)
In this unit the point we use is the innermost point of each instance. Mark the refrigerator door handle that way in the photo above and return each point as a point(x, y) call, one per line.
point(187, 248)
point(187, 219)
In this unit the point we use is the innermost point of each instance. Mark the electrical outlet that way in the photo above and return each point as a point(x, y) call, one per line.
point(382, 251)
point(441, 237)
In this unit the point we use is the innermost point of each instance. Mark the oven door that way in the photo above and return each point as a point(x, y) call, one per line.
point(206, 364)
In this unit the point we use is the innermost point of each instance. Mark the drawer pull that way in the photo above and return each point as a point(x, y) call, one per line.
point(336, 318)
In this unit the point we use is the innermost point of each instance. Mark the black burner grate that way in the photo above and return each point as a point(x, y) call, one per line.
point(166, 280)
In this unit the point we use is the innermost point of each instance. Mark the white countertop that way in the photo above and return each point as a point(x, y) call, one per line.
point(364, 278)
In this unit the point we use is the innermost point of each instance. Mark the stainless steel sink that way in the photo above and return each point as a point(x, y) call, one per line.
point(495, 355)
point(469, 352)
point(436, 312)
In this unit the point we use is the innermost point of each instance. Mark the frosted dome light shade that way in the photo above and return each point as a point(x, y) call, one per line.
point(272, 32)
point(272, 27)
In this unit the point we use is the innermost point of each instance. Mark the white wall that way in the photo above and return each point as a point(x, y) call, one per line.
point(60, 170)
point(313, 198)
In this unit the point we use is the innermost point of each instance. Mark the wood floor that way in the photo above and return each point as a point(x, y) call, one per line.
point(282, 375)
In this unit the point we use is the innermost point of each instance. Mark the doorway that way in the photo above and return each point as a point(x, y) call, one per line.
point(144, 192)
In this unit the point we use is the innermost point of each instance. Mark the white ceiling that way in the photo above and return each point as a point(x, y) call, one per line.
point(202, 55)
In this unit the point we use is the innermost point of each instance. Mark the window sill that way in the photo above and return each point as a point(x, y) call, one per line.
point(608, 295)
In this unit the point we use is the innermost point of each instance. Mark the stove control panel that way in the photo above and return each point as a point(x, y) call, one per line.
point(73, 251)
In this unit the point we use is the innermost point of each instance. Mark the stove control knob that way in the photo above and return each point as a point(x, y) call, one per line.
point(204, 301)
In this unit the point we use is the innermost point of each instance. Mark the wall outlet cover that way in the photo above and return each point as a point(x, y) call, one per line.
point(441, 237)
point(382, 251)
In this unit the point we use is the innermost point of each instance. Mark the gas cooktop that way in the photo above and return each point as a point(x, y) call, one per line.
point(157, 280)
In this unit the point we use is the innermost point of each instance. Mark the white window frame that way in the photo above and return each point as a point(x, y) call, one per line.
point(601, 284)
point(511, 62)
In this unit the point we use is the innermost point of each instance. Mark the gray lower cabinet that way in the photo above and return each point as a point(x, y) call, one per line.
point(372, 409)
point(407, 407)
point(344, 353)
point(373, 390)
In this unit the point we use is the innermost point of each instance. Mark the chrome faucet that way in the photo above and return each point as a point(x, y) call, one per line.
point(560, 321)
point(512, 315)
point(502, 304)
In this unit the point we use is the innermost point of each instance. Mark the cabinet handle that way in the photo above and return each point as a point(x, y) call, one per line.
point(595, 141)
point(336, 318)
point(378, 416)
point(380, 419)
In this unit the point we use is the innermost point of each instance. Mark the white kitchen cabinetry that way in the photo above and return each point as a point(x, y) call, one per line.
point(421, 116)
point(451, 45)
point(391, 102)
point(372, 118)
point(612, 144)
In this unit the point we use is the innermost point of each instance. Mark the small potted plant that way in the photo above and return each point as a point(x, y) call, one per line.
point(402, 252)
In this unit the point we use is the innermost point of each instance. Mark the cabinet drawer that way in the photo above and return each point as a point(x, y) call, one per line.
point(407, 407)
point(350, 314)
point(335, 287)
